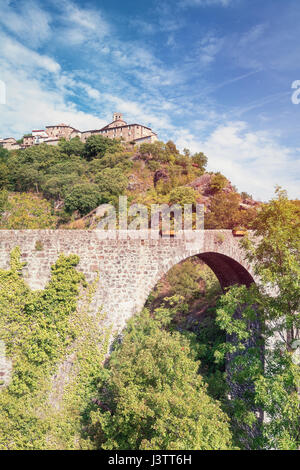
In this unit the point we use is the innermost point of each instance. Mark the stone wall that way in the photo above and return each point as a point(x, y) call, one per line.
point(129, 268)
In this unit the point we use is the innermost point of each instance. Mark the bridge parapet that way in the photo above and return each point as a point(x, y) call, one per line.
point(129, 268)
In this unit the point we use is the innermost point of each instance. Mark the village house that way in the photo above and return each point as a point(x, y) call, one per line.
point(117, 129)
point(9, 143)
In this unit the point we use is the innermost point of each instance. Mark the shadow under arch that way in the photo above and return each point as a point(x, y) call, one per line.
point(227, 270)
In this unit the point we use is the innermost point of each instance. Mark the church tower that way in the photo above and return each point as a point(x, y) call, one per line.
point(117, 117)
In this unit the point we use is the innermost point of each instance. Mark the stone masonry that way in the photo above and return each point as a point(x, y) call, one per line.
point(129, 268)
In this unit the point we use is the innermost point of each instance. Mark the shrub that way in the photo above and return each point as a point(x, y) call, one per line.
point(218, 182)
point(111, 181)
point(71, 147)
point(83, 198)
point(183, 195)
point(97, 146)
point(153, 397)
point(28, 211)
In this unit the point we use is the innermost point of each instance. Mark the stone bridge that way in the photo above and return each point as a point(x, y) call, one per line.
point(129, 268)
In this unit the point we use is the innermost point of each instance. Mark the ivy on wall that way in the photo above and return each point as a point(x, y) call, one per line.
point(57, 351)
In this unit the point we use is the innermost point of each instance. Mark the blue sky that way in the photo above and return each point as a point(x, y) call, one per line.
point(212, 75)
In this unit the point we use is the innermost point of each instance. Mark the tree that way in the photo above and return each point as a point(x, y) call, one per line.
point(183, 195)
point(157, 151)
point(71, 147)
point(153, 398)
point(83, 197)
point(28, 178)
point(111, 181)
point(200, 159)
point(225, 212)
point(184, 279)
point(171, 148)
point(4, 175)
point(97, 145)
point(58, 186)
point(218, 182)
point(4, 154)
point(27, 211)
point(273, 306)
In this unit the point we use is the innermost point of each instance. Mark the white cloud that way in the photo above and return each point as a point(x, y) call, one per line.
point(28, 22)
point(207, 48)
point(204, 3)
point(254, 161)
point(128, 76)
point(30, 105)
point(80, 25)
point(38, 92)
point(19, 56)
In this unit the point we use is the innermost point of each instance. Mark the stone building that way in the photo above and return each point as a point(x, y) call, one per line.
point(60, 131)
point(28, 141)
point(9, 143)
point(50, 136)
point(117, 129)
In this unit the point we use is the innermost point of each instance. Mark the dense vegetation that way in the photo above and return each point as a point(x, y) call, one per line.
point(272, 380)
point(39, 409)
point(165, 385)
point(153, 396)
point(64, 183)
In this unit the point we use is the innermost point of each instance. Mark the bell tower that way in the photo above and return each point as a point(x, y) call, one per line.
point(117, 117)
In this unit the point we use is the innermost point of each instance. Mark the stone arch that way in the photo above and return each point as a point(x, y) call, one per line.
point(229, 270)
point(129, 267)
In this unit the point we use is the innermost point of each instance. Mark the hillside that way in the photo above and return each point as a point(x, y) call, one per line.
point(64, 184)
point(168, 373)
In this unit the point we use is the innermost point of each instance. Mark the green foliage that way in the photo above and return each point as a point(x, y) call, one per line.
point(111, 182)
point(218, 182)
point(184, 279)
point(57, 172)
point(183, 195)
point(4, 154)
point(153, 398)
point(121, 160)
point(83, 197)
point(96, 146)
point(3, 202)
point(160, 152)
point(27, 211)
point(72, 147)
point(209, 337)
point(269, 317)
point(225, 212)
point(200, 159)
point(42, 408)
point(57, 187)
point(28, 168)
point(156, 151)
point(4, 175)
point(36, 338)
point(171, 148)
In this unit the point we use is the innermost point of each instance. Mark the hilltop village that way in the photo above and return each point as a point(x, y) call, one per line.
point(134, 133)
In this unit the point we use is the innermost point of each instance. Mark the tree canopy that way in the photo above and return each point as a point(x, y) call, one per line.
point(153, 396)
